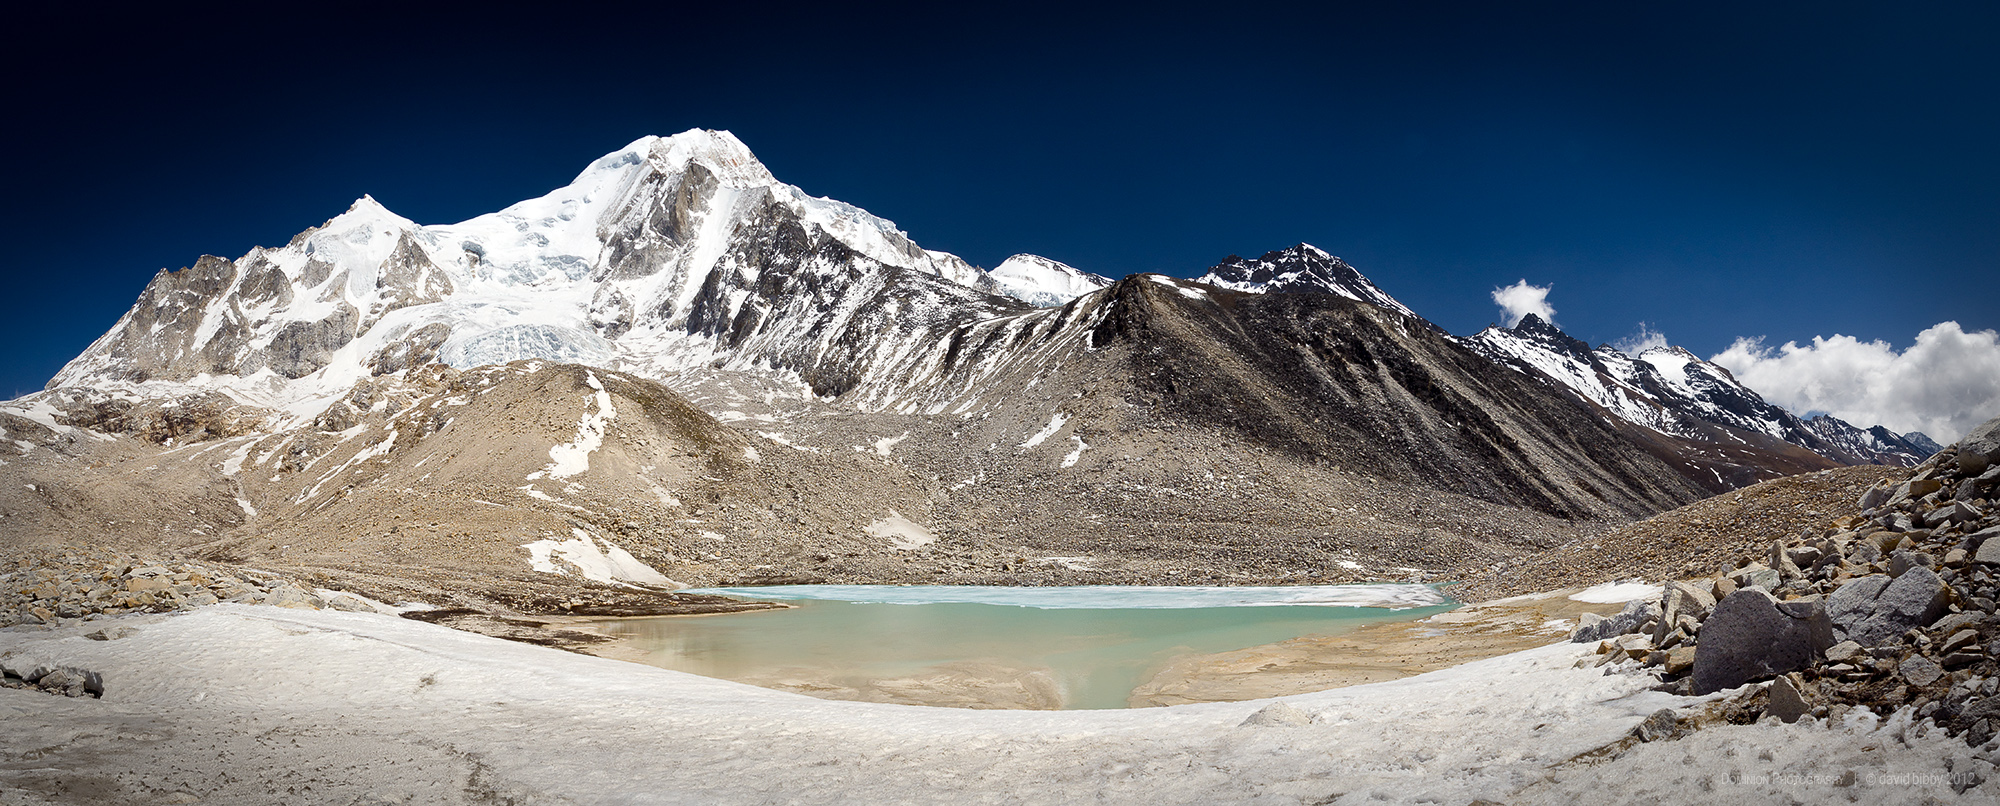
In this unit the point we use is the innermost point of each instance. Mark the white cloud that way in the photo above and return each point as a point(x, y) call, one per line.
point(1946, 383)
point(1646, 339)
point(1520, 299)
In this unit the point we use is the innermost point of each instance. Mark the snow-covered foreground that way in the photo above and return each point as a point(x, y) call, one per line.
point(237, 704)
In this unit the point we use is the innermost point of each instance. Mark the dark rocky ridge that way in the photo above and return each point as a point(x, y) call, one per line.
point(1327, 379)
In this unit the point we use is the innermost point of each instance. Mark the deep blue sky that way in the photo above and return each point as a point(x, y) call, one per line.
point(1785, 170)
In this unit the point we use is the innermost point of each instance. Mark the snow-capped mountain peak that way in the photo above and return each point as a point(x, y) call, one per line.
point(669, 253)
point(1673, 391)
point(1300, 269)
point(1042, 282)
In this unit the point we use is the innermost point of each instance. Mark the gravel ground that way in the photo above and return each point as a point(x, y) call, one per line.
point(1691, 541)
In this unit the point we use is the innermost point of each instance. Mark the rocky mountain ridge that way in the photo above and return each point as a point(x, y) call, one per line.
point(1691, 402)
point(1301, 269)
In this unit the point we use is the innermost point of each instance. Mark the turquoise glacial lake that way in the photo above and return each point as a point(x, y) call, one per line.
point(1097, 643)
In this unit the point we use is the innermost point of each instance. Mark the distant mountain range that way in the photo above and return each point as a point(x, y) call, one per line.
point(823, 398)
point(1671, 391)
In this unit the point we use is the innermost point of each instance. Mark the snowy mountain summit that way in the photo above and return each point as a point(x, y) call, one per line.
point(1042, 282)
point(1302, 268)
point(1674, 392)
point(671, 253)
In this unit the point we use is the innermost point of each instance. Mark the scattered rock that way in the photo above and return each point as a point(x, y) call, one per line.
point(292, 597)
point(1989, 552)
point(1784, 701)
point(1874, 497)
point(349, 604)
point(1972, 463)
point(1723, 587)
point(1663, 724)
point(1915, 488)
point(1681, 598)
point(63, 680)
point(1680, 660)
point(1278, 714)
point(1920, 671)
point(1635, 615)
point(111, 633)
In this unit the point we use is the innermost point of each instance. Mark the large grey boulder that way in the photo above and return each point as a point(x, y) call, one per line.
point(1875, 610)
point(1752, 636)
point(1989, 548)
point(1984, 439)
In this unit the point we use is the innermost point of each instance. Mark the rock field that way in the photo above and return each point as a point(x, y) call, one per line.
point(1891, 605)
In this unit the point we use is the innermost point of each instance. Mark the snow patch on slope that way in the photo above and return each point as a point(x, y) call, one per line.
point(573, 457)
point(1055, 424)
point(902, 533)
point(1074, 455)
point(595, 559)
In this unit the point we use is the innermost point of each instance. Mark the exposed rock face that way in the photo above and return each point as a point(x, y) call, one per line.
point(408, 277)
point(157, 338)
point(686, 245)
